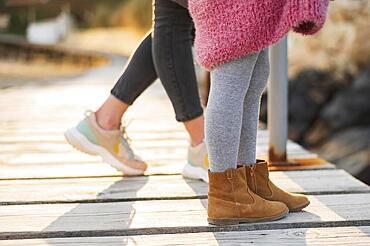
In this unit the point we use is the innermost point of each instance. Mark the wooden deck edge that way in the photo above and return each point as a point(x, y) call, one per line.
point(110, 200)
point(178, 230)
point(328, 166)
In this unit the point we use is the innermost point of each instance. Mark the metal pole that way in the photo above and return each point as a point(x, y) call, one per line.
point(278, 102)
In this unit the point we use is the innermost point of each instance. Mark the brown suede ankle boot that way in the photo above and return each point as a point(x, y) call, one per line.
point(230, 201)
point(260, 183)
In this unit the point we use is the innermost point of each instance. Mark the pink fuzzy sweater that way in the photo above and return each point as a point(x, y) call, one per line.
point(229, 29)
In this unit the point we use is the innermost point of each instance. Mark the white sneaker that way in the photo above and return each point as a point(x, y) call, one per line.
point(197, 165)
point(113, 146)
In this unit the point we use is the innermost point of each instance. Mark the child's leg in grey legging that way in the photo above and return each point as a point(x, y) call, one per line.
point(224, 113)
point(248, 137)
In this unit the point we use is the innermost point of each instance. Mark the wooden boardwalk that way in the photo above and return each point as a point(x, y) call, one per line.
point(51, 194)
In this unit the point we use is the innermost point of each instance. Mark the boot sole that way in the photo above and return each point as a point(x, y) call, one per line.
point(299, 208)
point(226, 222)
point(81, 143)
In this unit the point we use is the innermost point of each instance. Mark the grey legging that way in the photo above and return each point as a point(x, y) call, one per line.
point(233, 109)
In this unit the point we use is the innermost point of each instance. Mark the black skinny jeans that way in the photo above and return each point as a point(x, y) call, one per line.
point(165, 53)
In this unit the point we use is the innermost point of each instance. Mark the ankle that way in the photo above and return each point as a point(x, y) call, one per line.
point(195, 129)
point(106, 122)
point(196, 142)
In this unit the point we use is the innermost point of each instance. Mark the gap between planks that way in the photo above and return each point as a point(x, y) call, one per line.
point(157, 217)
point(182, 230)
point(111, 200)
point(96, 169)
point(292, 236)
point(162, 187)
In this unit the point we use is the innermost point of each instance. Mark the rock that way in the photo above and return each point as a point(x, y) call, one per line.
point(317, 134)
point(308, 93)
point(350, 107)
point(341, 46)
point(350, 150)
point(263, 108)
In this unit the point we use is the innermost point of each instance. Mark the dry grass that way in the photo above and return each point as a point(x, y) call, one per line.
point(135, 13)
point(112, 40)
point(16, 73)
point(342, 46)
point(119, 40)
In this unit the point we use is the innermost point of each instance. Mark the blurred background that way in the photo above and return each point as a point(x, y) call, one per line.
point(329, 87)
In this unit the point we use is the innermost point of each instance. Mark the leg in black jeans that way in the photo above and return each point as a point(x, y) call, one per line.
point(139, 73)
point(165, 53)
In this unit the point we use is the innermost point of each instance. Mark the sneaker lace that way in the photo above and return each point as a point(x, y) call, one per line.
point(124, 135)
point(88, 112)
point(126, 140)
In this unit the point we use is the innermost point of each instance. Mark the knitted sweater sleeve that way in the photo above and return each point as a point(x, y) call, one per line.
point(230, 29)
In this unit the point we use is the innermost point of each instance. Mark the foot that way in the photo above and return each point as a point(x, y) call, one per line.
point(261, 184)
point(113, 145)
point(197, 165)
point(231, 202)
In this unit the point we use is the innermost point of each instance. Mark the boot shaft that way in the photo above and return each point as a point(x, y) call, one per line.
point(258, 178)
point(228, 185)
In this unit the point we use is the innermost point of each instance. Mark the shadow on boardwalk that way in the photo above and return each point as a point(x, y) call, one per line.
point(86, 216)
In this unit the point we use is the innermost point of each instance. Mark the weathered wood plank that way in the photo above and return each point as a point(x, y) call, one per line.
point(75, 164)
point(77, 157)
point(59, 138)
point(162, 187)
point(63, 148)
point(101, 189)
point(157, 154)
point(177, 137)
point(87, 169)
point(91, 168)
point(20, 135)
point(63, 123)
point(167, 216)
point(48, 146)
point(359, 236)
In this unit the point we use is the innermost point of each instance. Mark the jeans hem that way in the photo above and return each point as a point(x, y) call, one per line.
point(119, 97)
point(189, 116)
